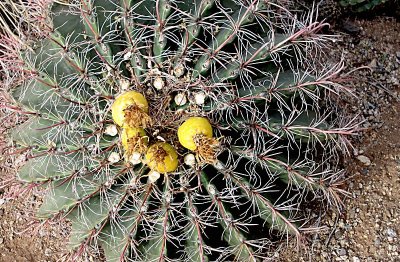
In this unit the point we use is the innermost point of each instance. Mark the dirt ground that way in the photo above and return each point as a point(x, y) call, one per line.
point(369, 227)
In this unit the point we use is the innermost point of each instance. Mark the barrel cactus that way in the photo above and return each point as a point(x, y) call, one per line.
point(170, 130)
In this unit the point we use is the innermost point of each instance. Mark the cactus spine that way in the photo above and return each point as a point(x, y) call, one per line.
point(244, 70)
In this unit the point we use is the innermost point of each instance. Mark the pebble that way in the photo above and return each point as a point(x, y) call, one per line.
point(373, 64)
point(391, 233)
point(377, 242)
point(342, 252)
point(351, 27)
point(365, 160)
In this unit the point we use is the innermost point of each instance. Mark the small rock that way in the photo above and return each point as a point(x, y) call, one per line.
point(338, 234)
point(365, 160)
point(342, 252)
point(391, 233)
point(398, 54)
point(377, 242)
point(2, 201)
point(373, 64)
point(351, 28)
point(356, 259)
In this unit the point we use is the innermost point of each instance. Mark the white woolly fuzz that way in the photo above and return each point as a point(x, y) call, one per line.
point(124, 84)
point(111, 130)
point(180, 99)
point(114, 157)
point(219, 165)
point(190, 160)
point(158, 83)
point(135, 158)
point(153, 176)
point(128, 55)
point(199, 98)
point(179, 70)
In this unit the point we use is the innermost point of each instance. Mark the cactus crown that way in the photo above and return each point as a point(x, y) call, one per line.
point(248, 68)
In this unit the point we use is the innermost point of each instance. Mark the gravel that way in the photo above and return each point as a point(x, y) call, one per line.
point(365, 160)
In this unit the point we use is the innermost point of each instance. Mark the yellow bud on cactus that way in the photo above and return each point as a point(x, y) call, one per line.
point(162, 157)
point(192, 127)
point(134, 140)
point(131, 109)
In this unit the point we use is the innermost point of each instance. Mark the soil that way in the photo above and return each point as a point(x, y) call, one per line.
point(18, 239)
point(366, 230)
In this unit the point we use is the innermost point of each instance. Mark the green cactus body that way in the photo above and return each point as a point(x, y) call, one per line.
point(362, 5)
point(245, 66)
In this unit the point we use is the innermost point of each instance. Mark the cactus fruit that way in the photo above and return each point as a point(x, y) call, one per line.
point(134, 141)
point(162, 157)
point(196, 134)
point(171, 130)
point(130, 109)
point(194, 126)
